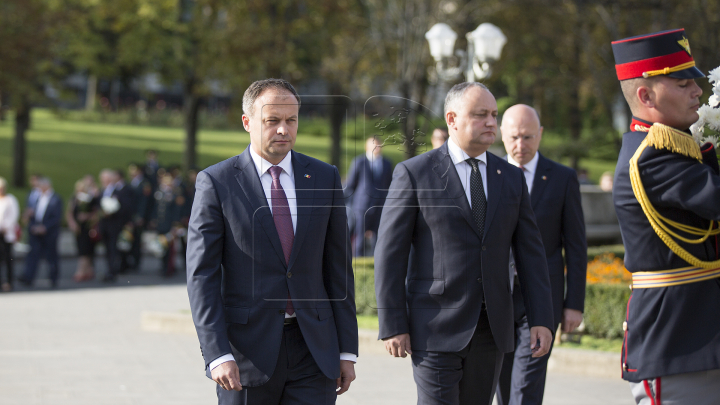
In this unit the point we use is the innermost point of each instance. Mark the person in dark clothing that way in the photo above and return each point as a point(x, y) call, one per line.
point(81, 217)
point(143, 195)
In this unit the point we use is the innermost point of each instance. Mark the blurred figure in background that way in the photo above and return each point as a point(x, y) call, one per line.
point(151, 167)
point(606, 181)
point(31, 198)
point(43, 230)
point(9, 230)
point(143, 196)
point(81, 217)
point(166, 215)
point(368, 180)
point(116, 210)
point(439, 137)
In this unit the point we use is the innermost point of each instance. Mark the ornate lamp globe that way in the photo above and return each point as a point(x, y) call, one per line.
point(488, 40)
point(442, 41)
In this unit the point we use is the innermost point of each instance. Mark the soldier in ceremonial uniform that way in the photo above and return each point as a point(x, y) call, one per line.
point(667, 199)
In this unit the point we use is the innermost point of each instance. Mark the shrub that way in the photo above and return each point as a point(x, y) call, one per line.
point(605, 303)
point(607, 269)
point(605, 306)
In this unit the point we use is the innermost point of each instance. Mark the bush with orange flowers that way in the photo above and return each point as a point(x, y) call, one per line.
point(606, 268)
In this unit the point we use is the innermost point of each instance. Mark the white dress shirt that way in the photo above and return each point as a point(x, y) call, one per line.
point(9, 215)
point(287, 181)
point(463, 168)
point(42, 203)
point(530, 169)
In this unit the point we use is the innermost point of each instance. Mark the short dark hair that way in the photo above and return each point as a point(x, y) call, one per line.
point(258, 87)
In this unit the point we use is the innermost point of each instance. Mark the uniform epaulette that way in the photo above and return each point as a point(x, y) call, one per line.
point(664, 137)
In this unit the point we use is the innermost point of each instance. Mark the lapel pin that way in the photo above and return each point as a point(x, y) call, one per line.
point(499, 172)
point(307, 176)
point(544, 177)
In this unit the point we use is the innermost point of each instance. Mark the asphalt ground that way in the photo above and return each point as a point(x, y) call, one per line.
point(83, 344)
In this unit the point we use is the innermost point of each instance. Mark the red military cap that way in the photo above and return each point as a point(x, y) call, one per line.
point(661, 53)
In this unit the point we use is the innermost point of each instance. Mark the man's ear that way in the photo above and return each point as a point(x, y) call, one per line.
point(246, 122)
point(645, 96)
point(450, 119)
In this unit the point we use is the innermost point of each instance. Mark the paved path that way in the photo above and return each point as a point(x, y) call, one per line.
point(86, 346)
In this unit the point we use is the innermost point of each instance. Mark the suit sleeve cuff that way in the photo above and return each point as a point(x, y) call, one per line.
point(220, 360)
point(348, 357)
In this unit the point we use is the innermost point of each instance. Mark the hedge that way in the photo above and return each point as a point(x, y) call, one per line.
point(604, 303)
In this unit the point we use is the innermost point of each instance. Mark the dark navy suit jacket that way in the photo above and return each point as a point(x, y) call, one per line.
point(238, 281)
point(555, 200)
point(367, 190)
point(51, 219)
point(432, 268)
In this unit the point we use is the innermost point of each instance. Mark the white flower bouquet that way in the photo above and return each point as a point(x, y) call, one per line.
point(707, 128)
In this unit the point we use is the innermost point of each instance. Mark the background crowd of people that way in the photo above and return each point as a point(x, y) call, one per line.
point(116, 210)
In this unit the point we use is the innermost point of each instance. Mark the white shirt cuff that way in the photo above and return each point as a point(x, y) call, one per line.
point(220, 360)
point(348, 357)
point(229, 357)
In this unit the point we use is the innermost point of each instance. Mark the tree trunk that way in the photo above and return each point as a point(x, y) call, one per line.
point(22, 124)
point(338, 111)
point(90, 93)
point(2, 109)
point(191, 107)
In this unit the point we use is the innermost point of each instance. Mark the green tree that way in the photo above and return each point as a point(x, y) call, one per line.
point(27, 29)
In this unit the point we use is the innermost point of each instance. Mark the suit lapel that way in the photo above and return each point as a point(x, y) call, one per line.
point(445, 170)
point(495, 182)
point(249, 181)
point(540, 180)
point(304, 196)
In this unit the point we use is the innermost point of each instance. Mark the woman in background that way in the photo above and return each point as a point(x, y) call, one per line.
point(81, 217)
point(9, 230)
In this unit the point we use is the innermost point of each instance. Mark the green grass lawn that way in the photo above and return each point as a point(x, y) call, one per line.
point(66, 149)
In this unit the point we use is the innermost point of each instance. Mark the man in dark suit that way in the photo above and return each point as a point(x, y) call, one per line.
point(44, 230)
point(367, 184)
point(116, 203)
point(555, 199)
point(441, 262)
point(142, 195)
point(269, 265)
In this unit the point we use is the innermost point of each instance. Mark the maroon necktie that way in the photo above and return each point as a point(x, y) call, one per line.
point(283, 221)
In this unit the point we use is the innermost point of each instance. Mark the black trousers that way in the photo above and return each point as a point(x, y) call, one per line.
point(522, 380)
point(42, 246)
point(6, 260)
point(467, 377)
point(297, 379)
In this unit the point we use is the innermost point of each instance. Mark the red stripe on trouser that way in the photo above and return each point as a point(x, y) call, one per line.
point(657, 390)
point(648, 392)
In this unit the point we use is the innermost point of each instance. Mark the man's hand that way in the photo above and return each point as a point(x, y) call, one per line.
point(545, 336)
point(398, 345)
point(571, 319)
point(347, 375)
point(227, 376)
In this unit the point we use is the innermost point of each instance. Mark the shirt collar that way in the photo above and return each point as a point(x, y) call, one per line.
point(530, 167)
point(263, 165)
point(458, 155)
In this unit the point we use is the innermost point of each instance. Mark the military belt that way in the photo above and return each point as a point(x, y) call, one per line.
point(669, 278)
